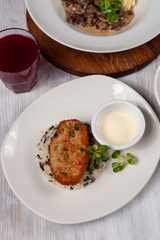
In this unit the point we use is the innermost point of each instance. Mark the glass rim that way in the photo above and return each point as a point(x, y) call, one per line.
point(36, 41)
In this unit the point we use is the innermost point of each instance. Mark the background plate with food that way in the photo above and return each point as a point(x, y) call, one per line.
point(132, 22)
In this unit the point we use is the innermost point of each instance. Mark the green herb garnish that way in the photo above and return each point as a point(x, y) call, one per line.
point(82, 149)
point(64, 173)
point(65, 149)
point(56, 147)
point(67, 156)
point(118, 166)
point(56, 135)
point(110, 8)
point(72, 134)
point(76, 126)
point(96, 156)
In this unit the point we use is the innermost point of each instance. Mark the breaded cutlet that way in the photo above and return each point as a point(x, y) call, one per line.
point(68, 155)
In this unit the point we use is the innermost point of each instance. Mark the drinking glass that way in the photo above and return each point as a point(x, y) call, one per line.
point(19, 59)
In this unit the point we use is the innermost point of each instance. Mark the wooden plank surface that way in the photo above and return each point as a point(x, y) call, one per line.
point(139, 220)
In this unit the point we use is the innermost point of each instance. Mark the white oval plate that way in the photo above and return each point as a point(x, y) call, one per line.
point(50, 18)
point(157, 85)
point(77, 99)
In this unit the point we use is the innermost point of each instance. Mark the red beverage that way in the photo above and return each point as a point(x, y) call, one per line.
point(19, 59)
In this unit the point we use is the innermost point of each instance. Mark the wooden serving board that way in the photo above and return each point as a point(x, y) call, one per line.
point(85, 63)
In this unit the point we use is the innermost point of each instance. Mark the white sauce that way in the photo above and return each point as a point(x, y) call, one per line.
point(118, 128)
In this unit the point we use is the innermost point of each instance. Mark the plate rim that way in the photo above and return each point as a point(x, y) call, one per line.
point(156, 82)
point(149, 37)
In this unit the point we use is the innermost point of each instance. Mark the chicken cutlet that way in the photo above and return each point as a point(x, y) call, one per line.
point(68, 157)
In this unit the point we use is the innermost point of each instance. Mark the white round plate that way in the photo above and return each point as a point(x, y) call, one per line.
point(49, 16)
point(157, 85)
point(77, 99)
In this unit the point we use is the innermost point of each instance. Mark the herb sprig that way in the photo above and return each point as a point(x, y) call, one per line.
point(96, 156)
point(110, 8)
point(118, 166)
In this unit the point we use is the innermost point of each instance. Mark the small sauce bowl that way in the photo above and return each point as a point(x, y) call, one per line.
point(124, 119)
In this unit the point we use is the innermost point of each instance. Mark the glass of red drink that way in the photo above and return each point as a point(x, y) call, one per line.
point(19, 59)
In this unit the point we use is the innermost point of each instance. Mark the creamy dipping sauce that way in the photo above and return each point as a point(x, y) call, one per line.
point(118, 128)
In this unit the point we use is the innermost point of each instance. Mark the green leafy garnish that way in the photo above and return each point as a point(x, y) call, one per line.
point(110, 8)
point(67, 156)
point(65, 149)
point(64, 173)
point(72, 134)
point(118, 166)
point(56, 135)
point(96, 156)
point(56, 147)
point(76, 126)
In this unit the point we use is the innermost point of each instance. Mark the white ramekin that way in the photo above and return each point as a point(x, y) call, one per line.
point(118, 105)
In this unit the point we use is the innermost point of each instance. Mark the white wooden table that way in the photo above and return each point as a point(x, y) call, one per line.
point(139, 220)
